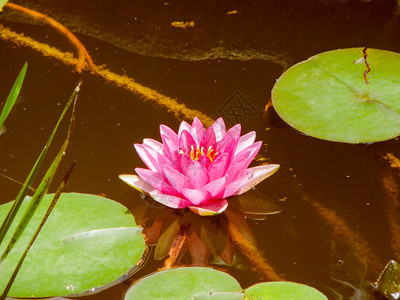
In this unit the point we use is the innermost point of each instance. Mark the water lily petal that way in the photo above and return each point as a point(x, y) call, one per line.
point(210, 208)
point(146, 157)
point(170, 148)
point(184, 161)
point(216, 187)
point(157, 181)
point(184, 126)
point(254, 149)
point(242, 160)
point(187, 142)
point(259, 173)
point(208, 139)
point(219, 129)
point(166, 131)
point(175, 178)
point(218, 167)
point(205, 161)
point(170, 201)
point(238, 164)
point(196, 175)
point(137, 183)
point(164, 160)
point(156, 145)
point(232, 134)
point(152, 155)
point(245, 141)
point(232, 188)
point(196, 196)
point(230, 148)
point(197, 130)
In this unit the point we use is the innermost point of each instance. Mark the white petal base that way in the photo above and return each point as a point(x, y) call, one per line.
point(137, 183)
point(211, 208)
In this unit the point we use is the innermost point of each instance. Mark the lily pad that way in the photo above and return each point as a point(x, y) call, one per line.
point(283, 290)
point(186, 283)
point(87, 244)
point(348, 95)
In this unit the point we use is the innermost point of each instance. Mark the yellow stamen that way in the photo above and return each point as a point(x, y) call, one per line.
point(195, 155)
point(210, 154)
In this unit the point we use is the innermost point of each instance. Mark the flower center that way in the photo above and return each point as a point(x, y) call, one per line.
point(195, 153)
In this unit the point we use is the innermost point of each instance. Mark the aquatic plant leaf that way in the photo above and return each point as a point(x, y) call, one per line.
point(388, 283)
point(87, 244)
point(53, 202)
point(165, 240)
point(6, 223)
point(2, 3)
point(186, 283)
point(12, 97)
point(255, 203)
point(213, 235)
point(348, 95)
point(283, 290)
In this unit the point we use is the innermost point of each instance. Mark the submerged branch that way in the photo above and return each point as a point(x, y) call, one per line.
point(259, 263)
point(391, 206)
point(177, 245)
point(83, 55)
point(179, 110)
point(342, 231)
point(393, 160)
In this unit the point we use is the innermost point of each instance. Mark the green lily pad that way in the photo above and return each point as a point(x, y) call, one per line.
point(87, 244)
point(341, 96)
point(186, 283)
point(283, 290)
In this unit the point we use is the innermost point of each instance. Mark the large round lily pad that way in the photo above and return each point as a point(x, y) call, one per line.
point(186, 283)
point(349, 95)
point(87, 243)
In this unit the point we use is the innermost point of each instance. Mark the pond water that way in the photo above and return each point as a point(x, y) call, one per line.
point(317, 181)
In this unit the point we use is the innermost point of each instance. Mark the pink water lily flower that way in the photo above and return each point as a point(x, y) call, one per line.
point(198, 168)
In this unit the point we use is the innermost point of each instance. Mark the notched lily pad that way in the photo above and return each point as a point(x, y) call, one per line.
point(87, 244)
point(388, 284)
point(349, 95)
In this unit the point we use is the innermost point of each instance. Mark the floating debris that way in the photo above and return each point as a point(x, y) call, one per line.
point(181, 24)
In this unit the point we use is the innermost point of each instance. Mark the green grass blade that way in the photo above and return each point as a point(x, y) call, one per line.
point(28, 182)
point(39, 228)
point(43, 186)
point(12, 97)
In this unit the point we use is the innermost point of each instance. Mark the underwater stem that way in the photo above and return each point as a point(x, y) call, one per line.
point(342, 232)
point(83, 55)
point(179, 110)
point(393, 160)
point(391, 206)
point(252, 253)
point(177, 246)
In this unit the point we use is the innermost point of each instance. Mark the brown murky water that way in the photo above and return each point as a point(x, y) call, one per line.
point(304, 242)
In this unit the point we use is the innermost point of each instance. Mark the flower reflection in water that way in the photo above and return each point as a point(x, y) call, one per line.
point(188, 239)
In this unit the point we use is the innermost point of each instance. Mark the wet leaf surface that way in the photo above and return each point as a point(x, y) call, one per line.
point(87, 243)
point(349, 95)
